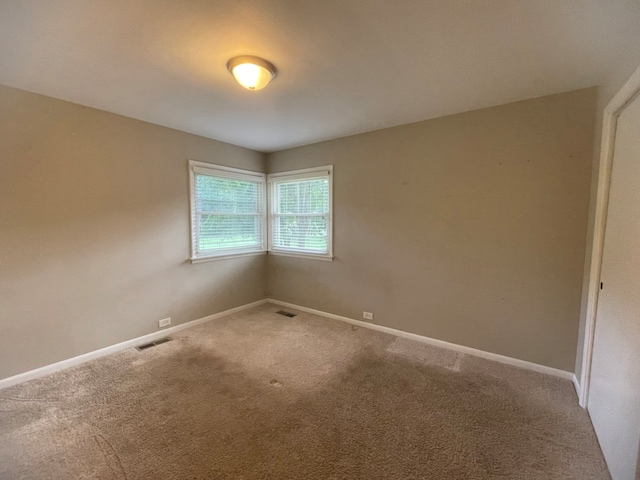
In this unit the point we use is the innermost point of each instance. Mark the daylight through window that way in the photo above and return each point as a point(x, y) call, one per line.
point(300, 212)
point(229, 215)
point(227, 207)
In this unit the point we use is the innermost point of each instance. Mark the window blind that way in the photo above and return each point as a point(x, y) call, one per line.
point(300, 213)
point(227, 212)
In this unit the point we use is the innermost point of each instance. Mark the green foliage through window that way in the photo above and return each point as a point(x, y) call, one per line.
point(228, 213)
point(301, 215)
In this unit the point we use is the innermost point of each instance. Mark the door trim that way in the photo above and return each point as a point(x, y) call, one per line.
point(612, 111)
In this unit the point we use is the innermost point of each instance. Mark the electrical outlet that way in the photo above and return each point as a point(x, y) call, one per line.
point(367, 315)
point(165, 322)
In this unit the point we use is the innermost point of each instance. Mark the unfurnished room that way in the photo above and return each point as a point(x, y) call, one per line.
point(304, 239)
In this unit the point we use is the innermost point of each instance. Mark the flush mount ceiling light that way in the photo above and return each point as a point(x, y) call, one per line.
point(253, 73)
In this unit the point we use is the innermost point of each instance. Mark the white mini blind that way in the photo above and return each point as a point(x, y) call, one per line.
point(228, 211)
point(300, 212)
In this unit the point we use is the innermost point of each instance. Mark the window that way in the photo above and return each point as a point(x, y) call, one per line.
point(229, 215)
point(227, 211)
point(300, 209)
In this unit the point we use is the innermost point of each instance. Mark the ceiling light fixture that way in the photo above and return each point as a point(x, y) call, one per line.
point(253, 73)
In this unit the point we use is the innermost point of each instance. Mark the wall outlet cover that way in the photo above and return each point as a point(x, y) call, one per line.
point(165, 322)
point(367, 315)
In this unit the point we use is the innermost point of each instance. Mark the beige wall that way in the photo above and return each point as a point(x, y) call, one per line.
point(469, 228)
point(94, 233)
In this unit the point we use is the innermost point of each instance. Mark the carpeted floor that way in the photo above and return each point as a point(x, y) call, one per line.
point(260, 396)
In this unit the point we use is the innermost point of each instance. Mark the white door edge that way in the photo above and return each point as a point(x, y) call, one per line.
point(612, 111)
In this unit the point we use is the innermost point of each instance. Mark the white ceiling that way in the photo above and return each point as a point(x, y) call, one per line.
point(345, 66)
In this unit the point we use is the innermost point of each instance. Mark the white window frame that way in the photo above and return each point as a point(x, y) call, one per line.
point(220, 171)
point(304, 174)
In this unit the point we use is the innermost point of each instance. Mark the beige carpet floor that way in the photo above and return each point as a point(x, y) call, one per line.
point(260, 396)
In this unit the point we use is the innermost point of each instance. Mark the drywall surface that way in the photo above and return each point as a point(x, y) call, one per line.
point(469, 228)
point(94, 231)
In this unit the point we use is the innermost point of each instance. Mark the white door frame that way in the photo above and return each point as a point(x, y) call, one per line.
point(616, 106)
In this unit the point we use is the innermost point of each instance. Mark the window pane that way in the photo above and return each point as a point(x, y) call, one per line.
point(223, 195)
point(307, 196)
point(307, 233)
point(228, 231)
point(227, 214)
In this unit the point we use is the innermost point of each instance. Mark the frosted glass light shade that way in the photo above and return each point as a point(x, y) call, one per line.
point(253, 73)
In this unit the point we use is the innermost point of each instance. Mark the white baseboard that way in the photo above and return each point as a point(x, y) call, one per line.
point(72, 362)
point(438, 343)
point(576, 385)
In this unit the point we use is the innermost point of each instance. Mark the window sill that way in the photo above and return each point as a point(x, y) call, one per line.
point(325, 258)
point(225, 257)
